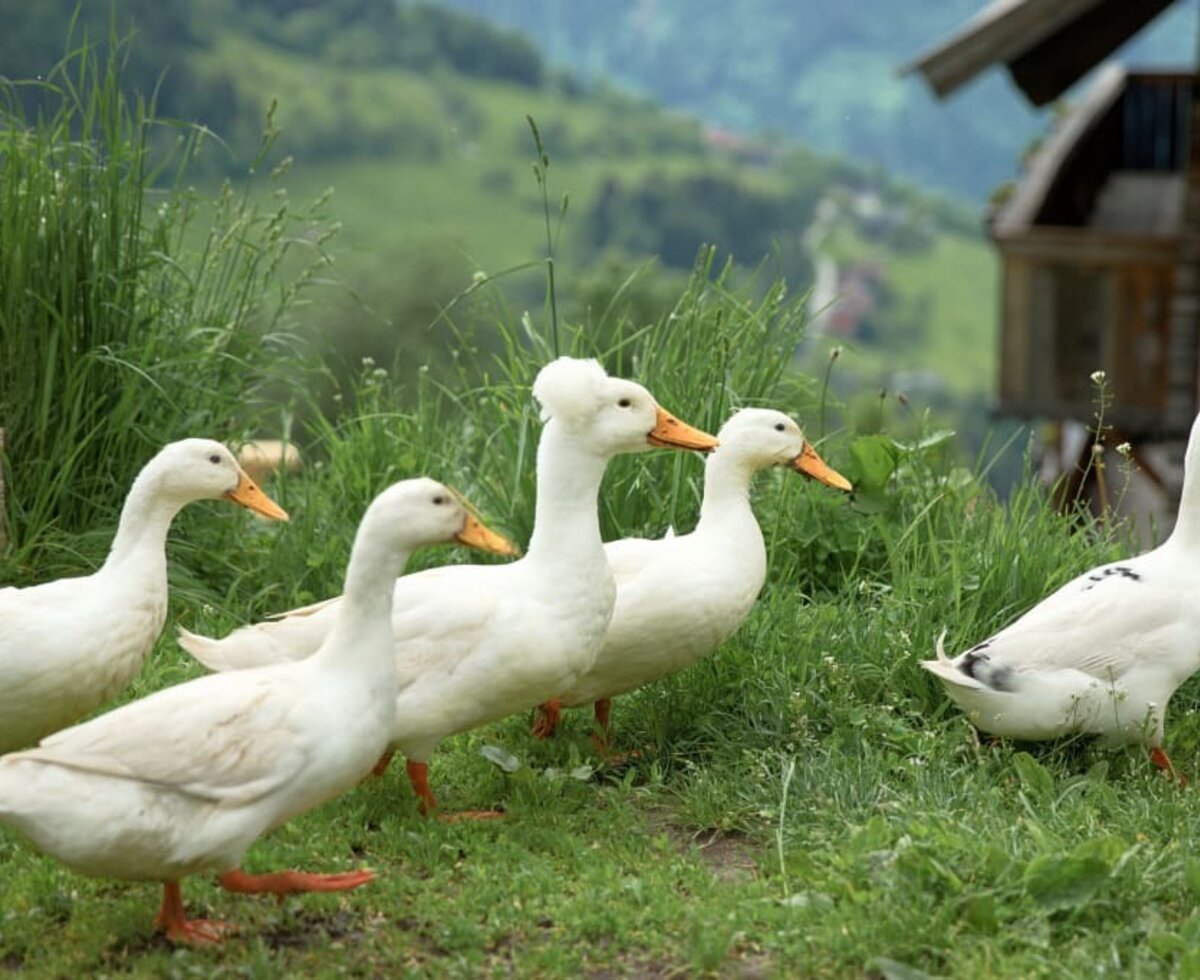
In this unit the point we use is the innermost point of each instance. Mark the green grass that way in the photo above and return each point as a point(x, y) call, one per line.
point(803, 802)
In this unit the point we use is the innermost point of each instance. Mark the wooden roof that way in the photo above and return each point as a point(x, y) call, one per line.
point(1047, 45)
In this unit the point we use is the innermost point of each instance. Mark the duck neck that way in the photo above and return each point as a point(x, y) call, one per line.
point(726, 492)
point(141, 537)
point(568, 484)
point(362, 631)
point(1187, 520)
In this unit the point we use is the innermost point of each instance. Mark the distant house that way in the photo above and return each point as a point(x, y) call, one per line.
point(860, 287)
point(1100, 237)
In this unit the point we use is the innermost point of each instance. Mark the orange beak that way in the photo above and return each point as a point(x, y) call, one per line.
point(810, 464)
point(475, 534)
point(249, 496)
point(671, 433)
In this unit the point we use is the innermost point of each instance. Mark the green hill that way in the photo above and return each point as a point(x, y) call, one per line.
point(416, 117)
point(818, 72)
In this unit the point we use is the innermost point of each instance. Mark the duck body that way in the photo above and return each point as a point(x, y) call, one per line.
point(1100, 656)
point(473, 644)
point(679, 598)
point(68, 646)
point(57, 668)
point(184, 780)
point(234, 756)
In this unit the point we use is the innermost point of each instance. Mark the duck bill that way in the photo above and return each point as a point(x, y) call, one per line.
point(249, 496)
point(810, 464)
point(670, 432)
point(476, 535)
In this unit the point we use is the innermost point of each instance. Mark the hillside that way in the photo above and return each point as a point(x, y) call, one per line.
point(422, 138)
point(821, 73)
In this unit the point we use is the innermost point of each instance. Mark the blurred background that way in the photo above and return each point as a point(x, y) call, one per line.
point(784, 134)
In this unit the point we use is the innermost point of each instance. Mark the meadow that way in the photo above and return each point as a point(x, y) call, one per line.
point(804, 803)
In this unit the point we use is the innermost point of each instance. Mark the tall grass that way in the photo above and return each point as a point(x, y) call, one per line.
point(124, 321)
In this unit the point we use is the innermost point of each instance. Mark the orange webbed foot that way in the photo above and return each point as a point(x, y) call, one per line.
point(549, 715)
point(172, 922)
point(462, 815)
point(1158, 755)
point(283, 883)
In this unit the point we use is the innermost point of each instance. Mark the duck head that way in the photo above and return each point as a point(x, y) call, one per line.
point(611, 415)
point(421, 511)
point(203, 469)
point(762, 437)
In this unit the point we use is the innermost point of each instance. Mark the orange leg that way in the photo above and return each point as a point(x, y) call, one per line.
point(602, 708)
point(282, 883)
point(418, 775)
point(384, 761)
point(179, 929)
point(1158, 755)
point(548, 717)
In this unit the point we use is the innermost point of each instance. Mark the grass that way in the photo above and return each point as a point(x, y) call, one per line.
point(804, 802)
point(122, 323)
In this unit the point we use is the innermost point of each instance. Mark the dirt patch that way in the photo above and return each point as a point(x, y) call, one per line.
point(729, 855)
point(748, 967)
point(307, 928)
point(12, 962)
point(638, 969)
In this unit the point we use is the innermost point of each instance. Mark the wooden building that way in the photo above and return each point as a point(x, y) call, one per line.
point(1100, 237)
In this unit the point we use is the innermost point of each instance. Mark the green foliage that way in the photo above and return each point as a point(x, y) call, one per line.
point(667, 216)
point(122, 324)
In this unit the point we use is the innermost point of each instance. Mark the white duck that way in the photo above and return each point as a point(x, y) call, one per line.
point(185, 780)
point(475, 643)
point(679, 598)
point(1100, 656)
point(69, 645)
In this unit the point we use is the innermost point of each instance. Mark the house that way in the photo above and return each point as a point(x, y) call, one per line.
point(1100, 237)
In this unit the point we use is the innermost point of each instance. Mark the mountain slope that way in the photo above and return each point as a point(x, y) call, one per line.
point(818, 72)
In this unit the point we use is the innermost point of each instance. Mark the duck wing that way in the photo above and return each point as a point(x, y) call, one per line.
point(1102, 623)
point(224, 738)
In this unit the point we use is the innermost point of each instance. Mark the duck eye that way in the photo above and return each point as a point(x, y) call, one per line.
point(778, 426)
point(625, 402)
point(214, 458)
point(439, 500)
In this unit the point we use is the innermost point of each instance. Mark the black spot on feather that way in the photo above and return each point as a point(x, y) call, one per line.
point(978, 666)
point(1123, 570)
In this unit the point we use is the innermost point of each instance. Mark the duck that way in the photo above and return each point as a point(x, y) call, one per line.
point(70, 645)
point(681, 596)
point(1100, 656)
point(476, 643)
point(183, 781)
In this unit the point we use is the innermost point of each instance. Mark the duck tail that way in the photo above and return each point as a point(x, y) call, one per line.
point(948, 670)
point(203, 648)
